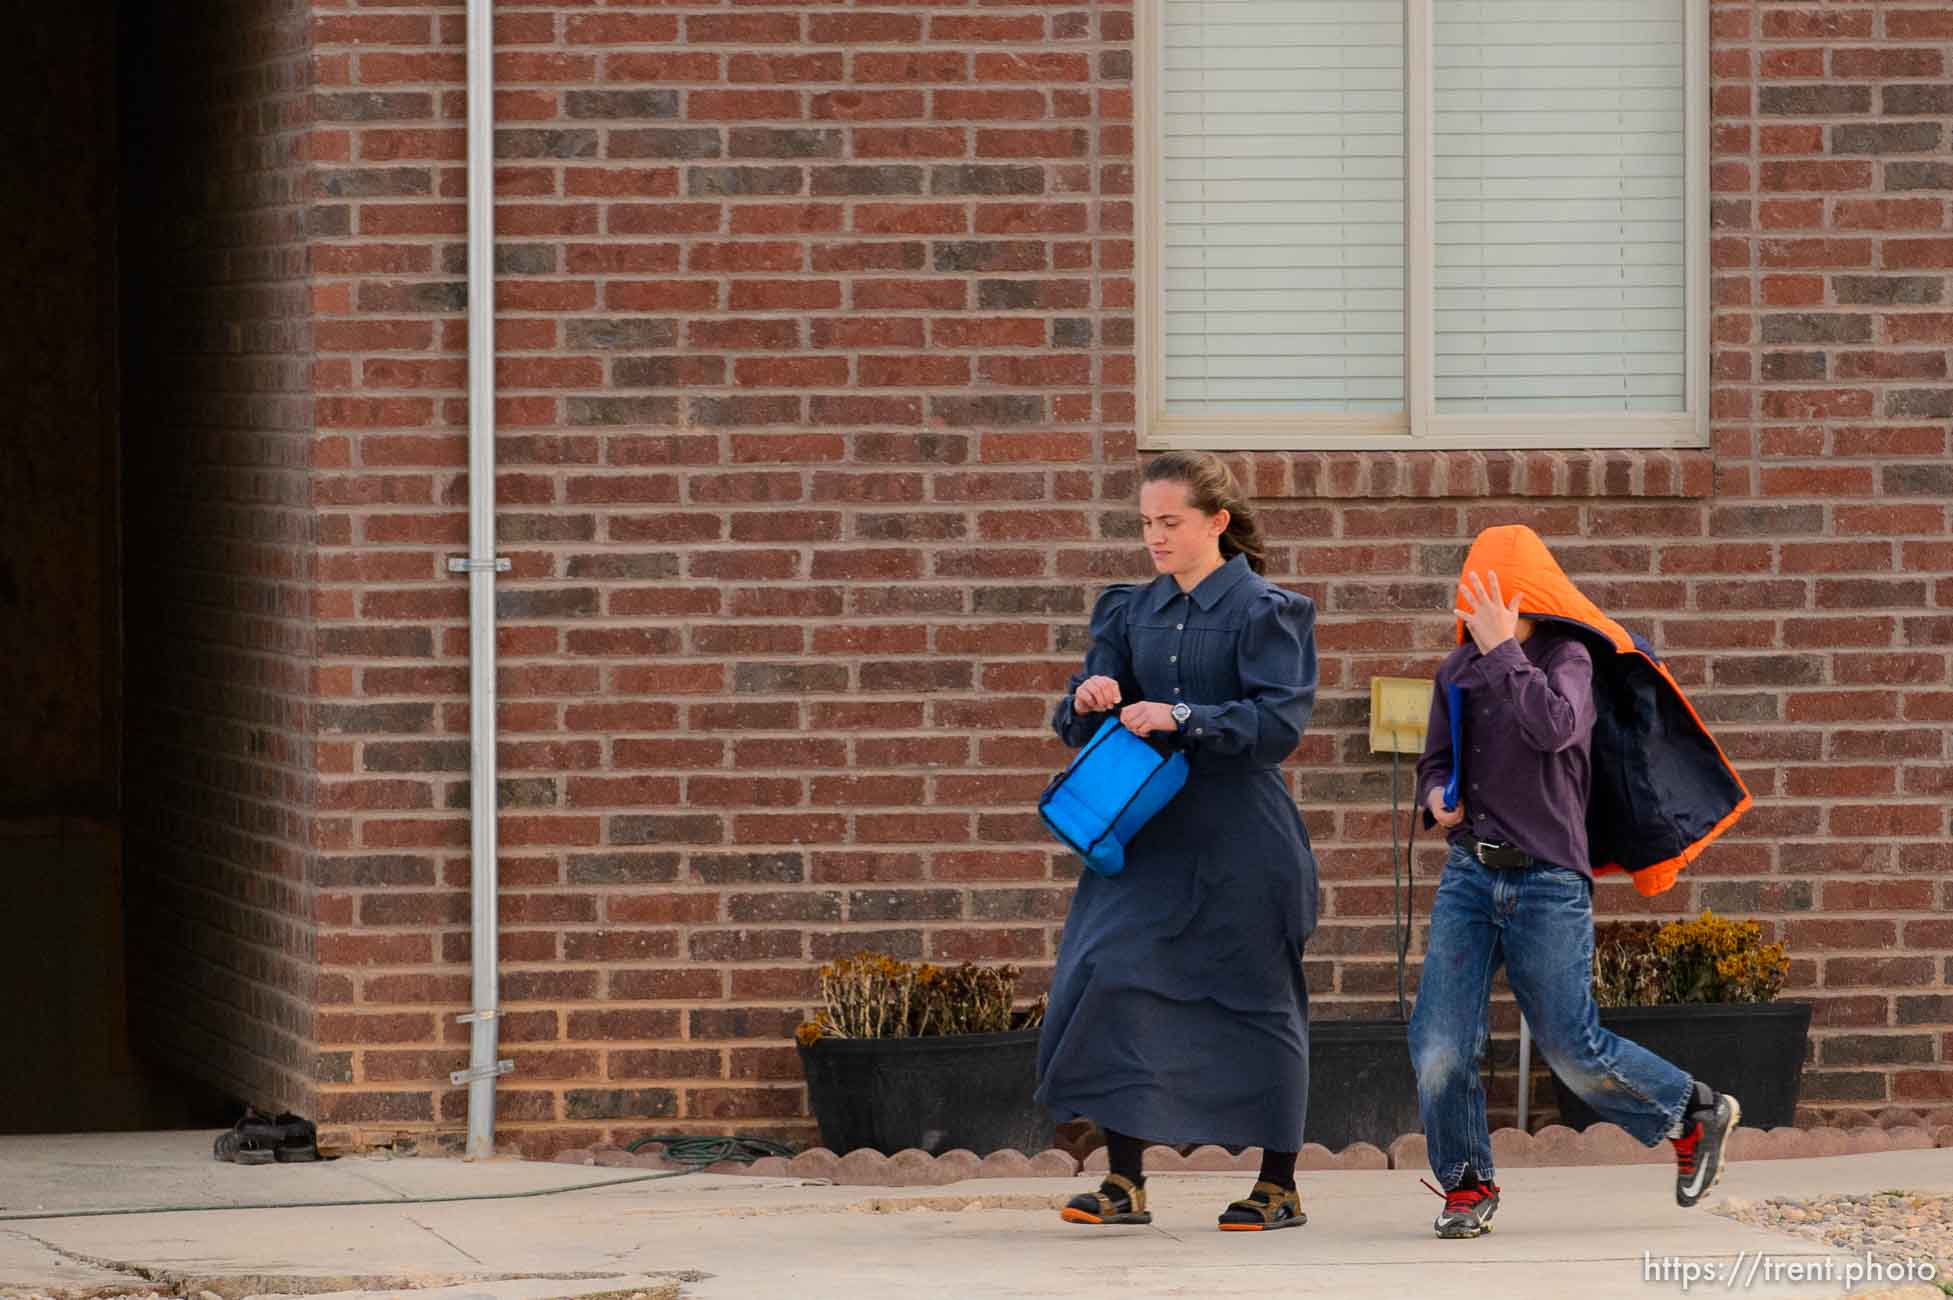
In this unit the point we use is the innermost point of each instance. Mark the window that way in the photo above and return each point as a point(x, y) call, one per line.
point(1418, 224)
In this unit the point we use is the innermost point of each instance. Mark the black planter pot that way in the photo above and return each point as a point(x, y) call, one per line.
point(1755, 1050)
point(1361, 1084)
point(937, 1094)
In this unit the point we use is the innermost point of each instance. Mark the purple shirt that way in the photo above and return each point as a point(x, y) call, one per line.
point(1528, 736)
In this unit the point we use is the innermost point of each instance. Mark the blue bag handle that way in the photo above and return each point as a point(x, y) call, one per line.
point(1104, 733)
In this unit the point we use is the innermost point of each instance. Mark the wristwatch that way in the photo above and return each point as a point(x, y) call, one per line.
point(1180, 714)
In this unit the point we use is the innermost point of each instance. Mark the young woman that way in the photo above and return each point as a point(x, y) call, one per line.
point(1178, 1012)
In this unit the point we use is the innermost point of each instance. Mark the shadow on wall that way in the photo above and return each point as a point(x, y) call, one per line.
point(214, 362)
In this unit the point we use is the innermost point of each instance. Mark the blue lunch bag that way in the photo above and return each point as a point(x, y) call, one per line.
point(1114, 786)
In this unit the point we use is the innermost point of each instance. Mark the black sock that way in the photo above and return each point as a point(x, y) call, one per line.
point(1278, 1167)
point(1126, 1156)
point(1701, 1098)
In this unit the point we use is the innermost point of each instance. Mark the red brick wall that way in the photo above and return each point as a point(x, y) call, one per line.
point(1829, 659)
point(219, 545)
point(816, 407)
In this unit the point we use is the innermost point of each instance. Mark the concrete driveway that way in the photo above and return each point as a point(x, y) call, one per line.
point(1590, 1233)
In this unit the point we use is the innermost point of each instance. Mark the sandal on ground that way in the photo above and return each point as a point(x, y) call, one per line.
point(298, 1140)
point(253, 1140)
point(1118, 1200)
point(1267, 1207)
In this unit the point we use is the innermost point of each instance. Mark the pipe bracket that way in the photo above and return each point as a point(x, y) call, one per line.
point(485, 1072)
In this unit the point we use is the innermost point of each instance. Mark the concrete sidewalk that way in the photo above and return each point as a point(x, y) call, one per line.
point(1562, 1232)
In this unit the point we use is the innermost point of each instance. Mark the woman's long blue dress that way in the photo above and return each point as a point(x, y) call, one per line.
point(1178, 1011)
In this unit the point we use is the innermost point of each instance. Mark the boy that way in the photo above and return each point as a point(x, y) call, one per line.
point(1517, 886)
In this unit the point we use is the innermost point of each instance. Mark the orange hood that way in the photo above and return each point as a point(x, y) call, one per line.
point(1663, 790)
point(1526, 569)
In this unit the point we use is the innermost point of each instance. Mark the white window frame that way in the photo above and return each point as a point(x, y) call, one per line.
point(1420, 427)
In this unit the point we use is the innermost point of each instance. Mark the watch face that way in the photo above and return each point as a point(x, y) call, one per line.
point(1181, 713)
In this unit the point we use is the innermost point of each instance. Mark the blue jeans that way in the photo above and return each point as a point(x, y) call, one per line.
point(1540, 922)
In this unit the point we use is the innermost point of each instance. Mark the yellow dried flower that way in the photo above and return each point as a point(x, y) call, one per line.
point(1709, 959)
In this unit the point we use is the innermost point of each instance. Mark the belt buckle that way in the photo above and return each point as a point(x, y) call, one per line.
point(1480, 846)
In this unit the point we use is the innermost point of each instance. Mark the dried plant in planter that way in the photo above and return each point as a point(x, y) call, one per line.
point(1715, 959)
point(1709, 959)
point(870, 995)
point(1627, 971)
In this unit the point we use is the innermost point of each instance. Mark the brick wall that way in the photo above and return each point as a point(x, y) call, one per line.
point(816, 409)
point(219, 543)
point(1829, 660)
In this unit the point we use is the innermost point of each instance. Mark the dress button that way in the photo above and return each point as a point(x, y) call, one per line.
point(1199, 732)
point(1176, 690)
point(1179, 627)
point(1173, 659)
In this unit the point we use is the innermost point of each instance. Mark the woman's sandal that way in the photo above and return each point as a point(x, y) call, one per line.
point(1118, 1200)
point(1267, 1207)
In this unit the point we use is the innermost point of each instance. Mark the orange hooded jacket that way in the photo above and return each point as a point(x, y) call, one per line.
point(1662, 788)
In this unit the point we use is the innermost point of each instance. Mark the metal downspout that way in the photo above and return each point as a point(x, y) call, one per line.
point(481, 567)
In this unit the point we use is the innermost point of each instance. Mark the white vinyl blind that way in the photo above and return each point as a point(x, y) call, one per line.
point(1281, 129)
point(1559, 194)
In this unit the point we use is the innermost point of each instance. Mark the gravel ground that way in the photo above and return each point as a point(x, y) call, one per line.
point(1893, 1227)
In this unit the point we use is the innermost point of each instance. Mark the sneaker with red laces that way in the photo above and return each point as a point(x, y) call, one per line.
point(1468, 1207)
point(1699, 1151)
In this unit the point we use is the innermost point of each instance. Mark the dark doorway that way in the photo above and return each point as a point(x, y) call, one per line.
point(64, 352)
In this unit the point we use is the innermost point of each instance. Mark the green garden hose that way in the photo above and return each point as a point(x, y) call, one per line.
point(28, 1215)
point(697, 1152)
point(691, 1150)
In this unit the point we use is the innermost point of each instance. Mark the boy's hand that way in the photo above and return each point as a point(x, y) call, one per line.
point(1096, 695)
point(1489, 619)
point(1444, 817)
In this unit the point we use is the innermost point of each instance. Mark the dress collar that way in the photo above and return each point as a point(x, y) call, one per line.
point(1210, 591)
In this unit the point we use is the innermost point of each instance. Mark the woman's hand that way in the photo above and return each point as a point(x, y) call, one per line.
point(1096, 695)
point(1146, 717)
point(1490, 620)
point(1444, 817)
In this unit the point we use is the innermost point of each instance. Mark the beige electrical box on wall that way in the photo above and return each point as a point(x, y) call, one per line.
point(1399, 708)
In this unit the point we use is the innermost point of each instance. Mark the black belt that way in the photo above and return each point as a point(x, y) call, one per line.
point(1503, 856)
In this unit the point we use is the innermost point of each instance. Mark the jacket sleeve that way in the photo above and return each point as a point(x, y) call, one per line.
point(1436, 764)
point(1107, 656)
point(1277, 666)
point(1553, 704)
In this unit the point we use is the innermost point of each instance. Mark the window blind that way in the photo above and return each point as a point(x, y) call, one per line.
point(1559, 155)
point(1282, 184)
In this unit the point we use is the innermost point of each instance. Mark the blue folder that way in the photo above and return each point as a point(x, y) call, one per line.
point(1454, 704)
point(1112, 788)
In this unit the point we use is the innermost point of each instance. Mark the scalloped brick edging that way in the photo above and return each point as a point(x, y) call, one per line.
point(911, 1168)
point(1893, 1129)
